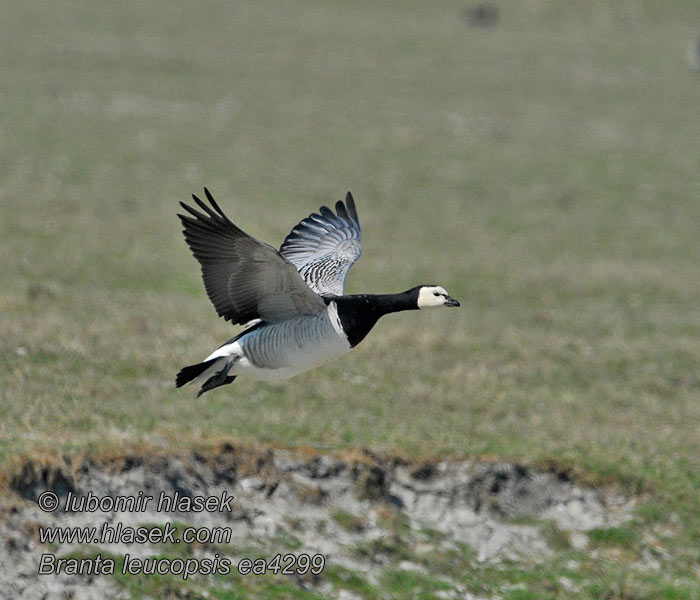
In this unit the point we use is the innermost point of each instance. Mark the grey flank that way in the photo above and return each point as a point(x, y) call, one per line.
point(295, 343)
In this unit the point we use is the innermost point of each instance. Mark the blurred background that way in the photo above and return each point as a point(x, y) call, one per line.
point(538, 159)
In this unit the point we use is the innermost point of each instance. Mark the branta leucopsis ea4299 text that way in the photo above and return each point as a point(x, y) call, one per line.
point(291, 301)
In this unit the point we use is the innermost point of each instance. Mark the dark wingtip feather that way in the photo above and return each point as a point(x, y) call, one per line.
point(201, 205)
point(207, 193)
point(342, 211)
point(190, 210)
point(216, 216)
point(350, 203)
point(215, 205)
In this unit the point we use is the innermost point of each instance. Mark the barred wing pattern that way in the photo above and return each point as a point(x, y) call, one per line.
point(245, 279)
point(324, 246)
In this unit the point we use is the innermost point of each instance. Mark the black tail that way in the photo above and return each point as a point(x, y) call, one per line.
point(187, 374)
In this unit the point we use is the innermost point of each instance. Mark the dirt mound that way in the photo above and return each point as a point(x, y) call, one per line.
point(339, 506)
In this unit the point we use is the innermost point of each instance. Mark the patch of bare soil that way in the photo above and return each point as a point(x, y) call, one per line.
point(327, 504)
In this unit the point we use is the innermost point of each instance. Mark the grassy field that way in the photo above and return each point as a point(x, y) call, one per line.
point(544, 171)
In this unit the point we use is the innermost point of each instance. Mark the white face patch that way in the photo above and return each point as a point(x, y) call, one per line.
point(432, 296)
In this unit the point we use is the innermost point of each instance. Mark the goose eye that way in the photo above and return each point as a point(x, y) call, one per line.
point(436, 293)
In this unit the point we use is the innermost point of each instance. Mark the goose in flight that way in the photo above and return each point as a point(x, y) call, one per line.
point(291, 301)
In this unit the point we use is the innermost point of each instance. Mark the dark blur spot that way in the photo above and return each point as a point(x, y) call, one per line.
point(38, 291)
point(424, 471)
point(396, 501)
point(565, 199)
point(483, 14)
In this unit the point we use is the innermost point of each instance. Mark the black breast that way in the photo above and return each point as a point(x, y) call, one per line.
point(358, 314)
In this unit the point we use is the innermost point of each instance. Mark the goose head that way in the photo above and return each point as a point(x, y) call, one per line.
point(432, 296)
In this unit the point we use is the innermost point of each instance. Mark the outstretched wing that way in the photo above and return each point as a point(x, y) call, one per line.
point(245, 279)
point(324, 247)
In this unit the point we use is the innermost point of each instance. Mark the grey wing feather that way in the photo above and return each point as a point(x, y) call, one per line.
point(324, 246)
point(245, 279)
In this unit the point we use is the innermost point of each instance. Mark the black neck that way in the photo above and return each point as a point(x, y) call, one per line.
point(359, 313)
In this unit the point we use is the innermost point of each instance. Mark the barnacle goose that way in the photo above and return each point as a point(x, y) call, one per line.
point(291, 301)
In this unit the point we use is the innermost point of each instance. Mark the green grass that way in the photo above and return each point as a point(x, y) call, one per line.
point(349, 521)
point(543, 170)
point(612, 536)
point(351, 581)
